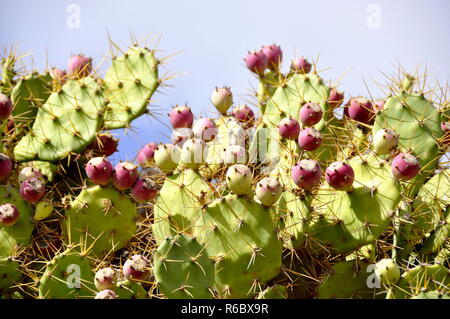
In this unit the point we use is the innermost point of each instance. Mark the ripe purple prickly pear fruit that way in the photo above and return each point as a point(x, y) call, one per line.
point(58, 75)
point(106, 294)
point(387, 271)
point(193, 153)
point(222, 98)
point(360, 109)
point(80, 66)
point(405, 166)
point(234, 154)
point(239, 179)
point(146, 154)
point(274, 55)
point(301, 65)
point(5, 166)
point(268, 191)
point(205, 129)
point(310, 114)
point(244, 114)
point(306, 174)
point(340, 175)
point(309, 139)
point(6, 107)
point(289, 128)
point(29, 172)
point(181, 116)
point(32, 190)
point(384, 141)
point(124, 175)
point(99, 170)
point(137, 267)
point(335, 98)
point(104, 145)
point(144, 190)
point(9, 214)
point(256, 62)
point(105, 278)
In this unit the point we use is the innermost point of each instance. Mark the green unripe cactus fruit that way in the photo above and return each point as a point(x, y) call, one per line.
point(387, 271)
point(239, 179)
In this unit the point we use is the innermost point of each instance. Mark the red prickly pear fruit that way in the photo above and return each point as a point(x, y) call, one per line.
point(29, 172)
point(384, 141)
point(99, 170)
point(80, 66)
point(309, 139)
point(32, 190)
point(306, 174)
point(268, 191)
point(244, 114)
point(104, 145)
point(6, 107)
point(124, 175)
point(340, 175)
point(205, 129)
point(301, 65)
point(146, 154)
point(234, 154)
point(335, 98)
point(144, 190)
point(58, 75)
point(9, 214)
point(222, 98)
point(310, 114)
point(10, 126)
point(239, 179)
point(256, 62)
point(181, 116)
point(360, 109)
point(106, 294)
point(274, 55)
point(405, 166)
point(181, 135)
point(379, 105)
point(6, 165)
point(289, 128)
point(137, 267)
point(105, 278)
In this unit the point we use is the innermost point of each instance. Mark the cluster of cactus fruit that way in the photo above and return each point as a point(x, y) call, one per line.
point(306, 198)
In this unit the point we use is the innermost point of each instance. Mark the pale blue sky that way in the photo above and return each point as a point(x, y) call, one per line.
point(214, 36)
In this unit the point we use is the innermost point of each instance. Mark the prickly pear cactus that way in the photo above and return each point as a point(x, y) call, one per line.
point(310, 197)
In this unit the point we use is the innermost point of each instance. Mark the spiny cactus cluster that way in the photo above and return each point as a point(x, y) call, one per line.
point(307, 197)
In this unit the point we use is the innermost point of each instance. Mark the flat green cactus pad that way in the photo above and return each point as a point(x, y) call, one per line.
point(413, 281)
point(417, 122)
point(101, 219)
point(240, 235)
point(435, 294)
point(67, 276)
point(130, 82)
point(9, 273)
point(348, 279)
point(130, 290)
point(19, 234)
point(28, 95)
point(183, 269)
point(348, 220)
point(66, 123)
point(179, 204)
